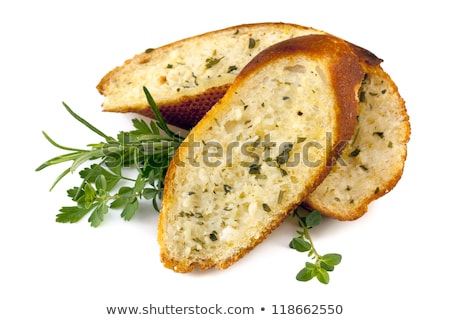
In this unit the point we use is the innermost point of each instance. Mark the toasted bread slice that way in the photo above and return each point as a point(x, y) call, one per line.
point(372, 163)
point(184, 107)
point(258, 152)
point(187, 77)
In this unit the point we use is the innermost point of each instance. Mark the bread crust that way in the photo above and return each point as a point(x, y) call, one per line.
point(346, 75)
point(390, 179)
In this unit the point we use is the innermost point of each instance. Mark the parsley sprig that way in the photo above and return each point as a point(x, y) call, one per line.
point(149, 149)
point(323, 264)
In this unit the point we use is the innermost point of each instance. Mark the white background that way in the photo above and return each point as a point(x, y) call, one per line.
point(395, 259)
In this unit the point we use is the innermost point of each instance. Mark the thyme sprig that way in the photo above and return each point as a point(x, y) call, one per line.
point(149, 149)
point(323, 264)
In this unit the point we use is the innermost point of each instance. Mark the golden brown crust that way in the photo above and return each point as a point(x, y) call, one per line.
point(184, 112)
point(345, 84)
point(367, 58)
point(189, 110)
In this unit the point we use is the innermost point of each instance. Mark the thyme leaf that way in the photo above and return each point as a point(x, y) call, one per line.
point(322, 264)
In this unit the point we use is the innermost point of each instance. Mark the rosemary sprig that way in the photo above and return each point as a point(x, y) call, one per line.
point(149, 149)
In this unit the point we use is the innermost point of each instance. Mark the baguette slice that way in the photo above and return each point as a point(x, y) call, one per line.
point(258, 152)
point(372, 163)
point(187, 77)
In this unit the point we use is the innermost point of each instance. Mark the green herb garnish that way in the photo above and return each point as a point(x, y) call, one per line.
point(355, 137)
point(379, 133)
point(323, 264)
point(231, 69)
point(280, 196)
point(255, 169)
point(362, 96)
point(227, 188)
point(283, 157)
point(354, 153)
point(149, 149)
point(210, 62)
point(213, 236)
point(251, 43)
